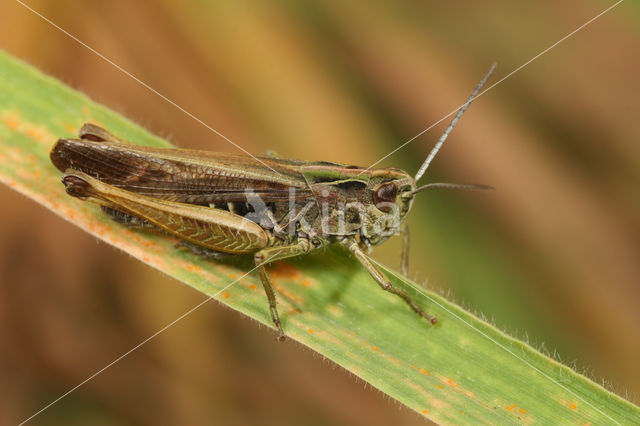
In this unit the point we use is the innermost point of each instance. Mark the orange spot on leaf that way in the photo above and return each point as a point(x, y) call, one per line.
point(252, 286)
point(523, 411)
point(310, 330)
point(286, 270)
point(439, 386)
point(192, 268)
point(509, 408)
point(375, 348)
point(34, 134)
point(225, 294)
point(573, 407)
point(425, 412)
point(12, 122)
point(423, 371)
point(305, 283)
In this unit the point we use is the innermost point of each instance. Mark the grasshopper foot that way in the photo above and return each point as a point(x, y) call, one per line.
point(414, 307)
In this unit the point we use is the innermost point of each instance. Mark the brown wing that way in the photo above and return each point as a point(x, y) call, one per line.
point(186, 176)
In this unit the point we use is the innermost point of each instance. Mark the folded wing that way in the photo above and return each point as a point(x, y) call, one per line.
point(185, 176)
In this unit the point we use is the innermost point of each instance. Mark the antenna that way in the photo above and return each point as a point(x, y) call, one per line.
point(444, 136)
point(468, 187)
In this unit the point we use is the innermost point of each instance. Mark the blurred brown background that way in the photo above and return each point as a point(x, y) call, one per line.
point(552, 256)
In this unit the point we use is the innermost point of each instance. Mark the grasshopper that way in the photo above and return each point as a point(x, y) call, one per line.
point(228, 204)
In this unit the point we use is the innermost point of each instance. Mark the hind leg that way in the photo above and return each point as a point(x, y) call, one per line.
point(137, 223)
point(96, 133)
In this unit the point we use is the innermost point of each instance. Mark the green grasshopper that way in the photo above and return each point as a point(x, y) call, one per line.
point(227, 204)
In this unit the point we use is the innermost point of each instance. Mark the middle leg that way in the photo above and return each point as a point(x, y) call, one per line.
point(268, 255)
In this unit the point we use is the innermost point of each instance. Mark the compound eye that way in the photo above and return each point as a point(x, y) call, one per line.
point(385, 195)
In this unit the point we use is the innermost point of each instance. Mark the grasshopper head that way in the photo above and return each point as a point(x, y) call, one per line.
point(388, 204)
point(392, 193)
point(393, 190)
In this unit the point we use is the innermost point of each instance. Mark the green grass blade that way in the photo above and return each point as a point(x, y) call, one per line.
point(461, 371)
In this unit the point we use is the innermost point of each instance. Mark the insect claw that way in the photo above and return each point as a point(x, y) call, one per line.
point(281, 336)
point(433, 320)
